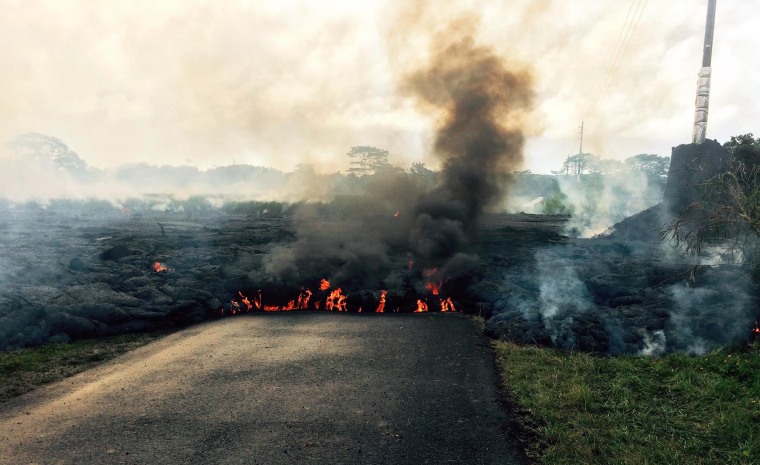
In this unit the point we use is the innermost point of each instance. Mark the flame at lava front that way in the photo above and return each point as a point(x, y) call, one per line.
point(381, 305)
point(303, 299)
point(324, 285)
point(336, 301)
point(159, 267)
point(395, 215)
point(447, 305)
point(421, 306)
point(246, 302)
point(281, 308)
point(432, 285)
point(757, 329)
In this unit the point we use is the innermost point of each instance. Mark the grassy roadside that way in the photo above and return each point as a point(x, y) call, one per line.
point(25, 369)
point(578, 408)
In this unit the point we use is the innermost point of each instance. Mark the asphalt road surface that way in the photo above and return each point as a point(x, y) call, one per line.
point(287, 388)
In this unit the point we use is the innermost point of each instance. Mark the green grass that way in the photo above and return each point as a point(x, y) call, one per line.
point(578, 408)
point(25, 369)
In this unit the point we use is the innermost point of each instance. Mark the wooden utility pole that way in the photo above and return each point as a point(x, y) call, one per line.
point(702, 103)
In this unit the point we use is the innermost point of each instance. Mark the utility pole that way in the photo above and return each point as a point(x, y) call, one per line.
point(580, 154)
point(703, 83)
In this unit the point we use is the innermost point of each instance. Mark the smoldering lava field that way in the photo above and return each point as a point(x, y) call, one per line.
point(73, 270)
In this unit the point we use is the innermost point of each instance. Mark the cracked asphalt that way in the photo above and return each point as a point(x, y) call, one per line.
point(286, 388)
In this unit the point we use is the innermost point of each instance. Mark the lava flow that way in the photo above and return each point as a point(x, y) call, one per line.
point(431, 285)
point(336, 301)
point(329, 299)
point(159, 267)
point(381, 305)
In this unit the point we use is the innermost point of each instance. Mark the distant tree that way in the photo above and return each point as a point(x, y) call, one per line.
point(39, 148)
point(423, 175)
point(367, 160)
point(418, 169)
point(654, 166)
point(581, 163)
point(607, 167)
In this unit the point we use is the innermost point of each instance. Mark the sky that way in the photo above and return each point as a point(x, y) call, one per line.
point(292, 82)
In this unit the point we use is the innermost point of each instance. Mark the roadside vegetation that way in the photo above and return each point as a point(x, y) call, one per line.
point(25, 369)
point(577, 408)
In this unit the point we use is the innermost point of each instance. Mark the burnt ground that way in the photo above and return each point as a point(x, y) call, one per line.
point(278, 388)
point(74, 273)
point(626, 293)
point(71, 271)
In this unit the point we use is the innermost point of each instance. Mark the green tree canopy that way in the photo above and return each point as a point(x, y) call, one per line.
point(581, 163)
point(652, 165)
point(745, 149)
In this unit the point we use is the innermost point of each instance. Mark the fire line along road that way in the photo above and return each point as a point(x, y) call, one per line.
point(277, 388)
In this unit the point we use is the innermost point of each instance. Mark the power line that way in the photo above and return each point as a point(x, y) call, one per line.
point(616, 59)
point(618, 43)
point(613, 55)
point(630, 28)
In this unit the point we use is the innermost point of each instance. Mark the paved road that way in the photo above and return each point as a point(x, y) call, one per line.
point(285, 388)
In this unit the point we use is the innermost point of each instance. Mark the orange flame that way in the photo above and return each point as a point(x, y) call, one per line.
point(421, 306)
point(395, 215)
point(246, 302)
point(281, 308)
point(381, 305)
point(433, 287)
point(324, 285)
point(159, 267)
point(336, 301)
point(303, 300)
point(447, 305)
point(757, 329)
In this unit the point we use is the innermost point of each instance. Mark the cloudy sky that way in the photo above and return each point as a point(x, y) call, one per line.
point(212, 82)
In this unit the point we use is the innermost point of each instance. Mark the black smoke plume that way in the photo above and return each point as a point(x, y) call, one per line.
point(479, 103)
point(479, 140)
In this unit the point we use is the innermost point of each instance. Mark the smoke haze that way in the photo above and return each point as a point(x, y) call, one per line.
point(296, 82)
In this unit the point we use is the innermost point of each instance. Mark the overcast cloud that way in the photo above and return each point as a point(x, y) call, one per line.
point(212, 83)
